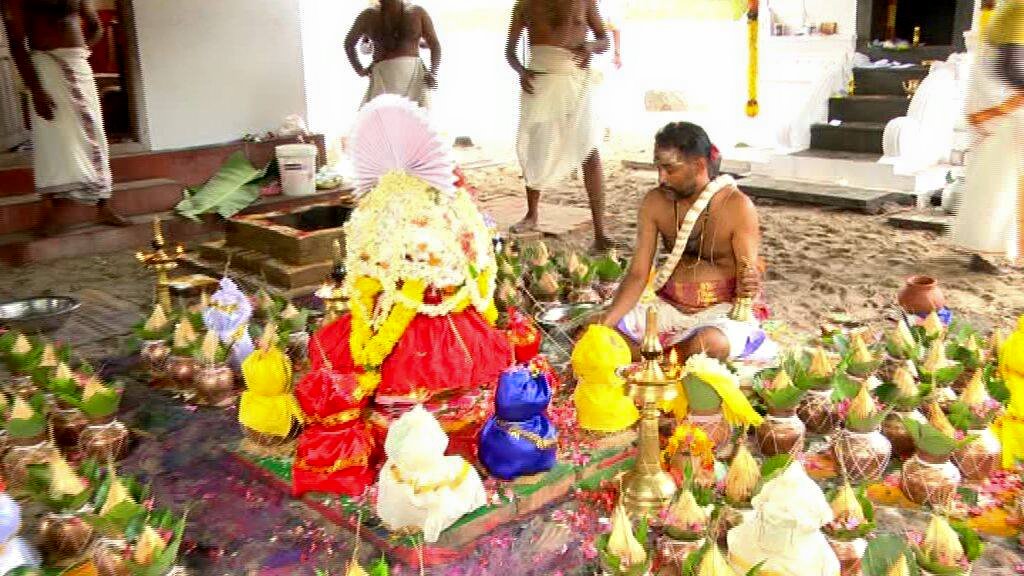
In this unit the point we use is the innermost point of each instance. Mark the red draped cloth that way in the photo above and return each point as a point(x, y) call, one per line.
point(336, 452)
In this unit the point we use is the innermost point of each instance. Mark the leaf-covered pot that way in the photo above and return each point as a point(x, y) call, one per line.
point(780, 432)
point(979, 458)
point(896, 432)
point(929, 479)
point(154, 354)
point(63, 537)
point(18, 459)
point(104, 439)
point(818, 413)
point(864, 455)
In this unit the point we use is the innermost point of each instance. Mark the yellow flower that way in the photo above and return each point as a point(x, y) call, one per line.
point(622, 543)
point(743, 476)
point(369, 348)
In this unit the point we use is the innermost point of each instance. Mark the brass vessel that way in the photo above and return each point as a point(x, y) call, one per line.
point(161, 261)
point(180, 370)
point(647, 489)
point(214, 385)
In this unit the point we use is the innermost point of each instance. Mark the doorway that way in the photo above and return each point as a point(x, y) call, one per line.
point(941, 22)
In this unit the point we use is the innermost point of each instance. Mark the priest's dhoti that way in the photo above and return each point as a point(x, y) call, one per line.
point(405, 76)
point(70, 157)
point(556, 128)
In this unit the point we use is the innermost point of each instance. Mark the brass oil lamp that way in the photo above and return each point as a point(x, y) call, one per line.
point(331, 291)
point(648, 489)
point(160, 261)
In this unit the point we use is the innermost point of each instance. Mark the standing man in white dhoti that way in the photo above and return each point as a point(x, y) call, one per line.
point(395, 30)
point(557, 132)
point(990, 216)
point(70, 158)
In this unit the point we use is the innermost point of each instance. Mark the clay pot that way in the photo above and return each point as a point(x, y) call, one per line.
point(864, 455)
point(63, 537)
point(18, 459)
point(781, 433)
point(929, 479)
point(214, 385)
point(180, 371)
point(108, 558)
point(817, 412)
point(849, 553)
point(896, 432)
point(671, 553)
point(21, 386)
point(714, 425)
point(921, 295)
point(67, 424)
point(154, 355)
point(105, 441)
point(979, 459)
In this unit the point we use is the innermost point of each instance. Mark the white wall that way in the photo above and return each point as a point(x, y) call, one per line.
point(842, 12)
point(213, 70)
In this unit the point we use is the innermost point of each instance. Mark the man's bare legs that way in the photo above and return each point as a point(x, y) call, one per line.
point(49, 226)
point(593, 181)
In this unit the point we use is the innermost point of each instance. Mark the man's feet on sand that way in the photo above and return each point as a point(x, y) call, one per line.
point(525, 226)
point(104, 215)
point(994, 266)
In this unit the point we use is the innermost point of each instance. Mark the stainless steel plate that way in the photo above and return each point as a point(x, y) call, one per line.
point(41, 314)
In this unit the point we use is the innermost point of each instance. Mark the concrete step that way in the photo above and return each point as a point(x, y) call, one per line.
point(23, 212)
point(931, 219)
point(867, 108)
point(888, 81)
point(860, 170)
point(865, 200)
point(863, 137)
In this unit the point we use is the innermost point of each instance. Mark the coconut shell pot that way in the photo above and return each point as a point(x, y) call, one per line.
point(67, 424)
point(782, 432)
point(105, 439)
point(20, 457)
point(214, 385)
point(63, 537)
point(154, 354)
point(180, 371)
point(979, 459)
point(818, 413)
point(864, 455)
point(929, 479)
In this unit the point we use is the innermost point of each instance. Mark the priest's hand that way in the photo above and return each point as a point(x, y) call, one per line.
point(583, 54)
point(431, 80)
point(526, 78)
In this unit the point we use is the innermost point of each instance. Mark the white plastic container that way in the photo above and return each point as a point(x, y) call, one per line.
point(297, 164)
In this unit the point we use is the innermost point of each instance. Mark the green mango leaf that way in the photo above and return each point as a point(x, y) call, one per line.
point(773, 465)
point(7, 340)
point(997, 388)
point(692, 562)
point(783, 399)
point(843, 387)
point(166, 559)
point(928, 438)
point(936, 568)
point(969, 539)
point(26, 427)
point(755, 569)
point(970, 497)
point(101, 404)
point(881, 553)
point(943, 376)
point(231, 189)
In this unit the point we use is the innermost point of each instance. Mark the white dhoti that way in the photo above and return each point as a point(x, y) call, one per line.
point(556, 128)
point(987, 214)
point(70, 156)
point(405, 76)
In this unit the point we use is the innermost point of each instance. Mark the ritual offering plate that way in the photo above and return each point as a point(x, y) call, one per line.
point(41, 314)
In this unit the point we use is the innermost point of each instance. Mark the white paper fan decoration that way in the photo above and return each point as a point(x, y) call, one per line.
point(393, 133)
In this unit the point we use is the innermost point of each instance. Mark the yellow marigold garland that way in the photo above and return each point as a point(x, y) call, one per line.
point(370, 349)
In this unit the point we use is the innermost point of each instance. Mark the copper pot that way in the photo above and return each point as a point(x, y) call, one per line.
point(18, 459)
point(817, 411)
point(108, 556)
point(921, 295)
point(780, 434)
point(714, 425)
point(896, 432)
point(929, 479)
point(864, 455)
point(849, 553)
point(180, 370)
point(154, 355)
point(104, 441)
point(67, 424)
point(672, 553)
point(63, 537)
point(215, 385)
point(979, 459)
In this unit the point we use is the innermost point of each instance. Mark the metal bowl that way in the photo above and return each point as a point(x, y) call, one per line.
point(33, 315)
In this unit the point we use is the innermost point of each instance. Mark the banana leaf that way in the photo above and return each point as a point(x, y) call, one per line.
point(883, 551)
point(166, 559)
point(234, 187)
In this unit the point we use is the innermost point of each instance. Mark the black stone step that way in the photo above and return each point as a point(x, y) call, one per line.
point(864, 137)
point(867, 108)
point(865, 200)
point(886, 80)
point(908, 56)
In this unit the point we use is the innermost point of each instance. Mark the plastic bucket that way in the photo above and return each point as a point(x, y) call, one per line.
point(297, 164)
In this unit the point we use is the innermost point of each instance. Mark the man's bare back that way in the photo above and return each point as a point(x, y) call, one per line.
point(50, 24)
point(396, 30)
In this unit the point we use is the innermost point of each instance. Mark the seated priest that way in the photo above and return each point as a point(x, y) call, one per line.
point(708, 291)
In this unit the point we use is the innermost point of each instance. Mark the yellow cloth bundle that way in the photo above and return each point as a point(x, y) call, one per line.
point(735, 406)
point(268, 406)
point(601, 402)
point(1009, 427)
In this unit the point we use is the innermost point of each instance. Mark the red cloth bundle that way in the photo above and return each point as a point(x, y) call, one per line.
point(524, 336)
